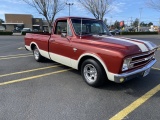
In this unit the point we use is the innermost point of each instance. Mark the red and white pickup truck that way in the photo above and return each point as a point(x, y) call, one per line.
point(85, 44)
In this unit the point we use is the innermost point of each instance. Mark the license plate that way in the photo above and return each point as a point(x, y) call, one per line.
point(146, 72)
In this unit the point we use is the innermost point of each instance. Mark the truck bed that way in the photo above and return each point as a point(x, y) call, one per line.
point(41, 40)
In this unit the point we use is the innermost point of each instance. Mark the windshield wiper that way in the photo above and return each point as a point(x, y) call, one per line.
point(103, 33)
point(84, 33)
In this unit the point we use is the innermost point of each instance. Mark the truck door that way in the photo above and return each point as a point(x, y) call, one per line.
point(60, 48)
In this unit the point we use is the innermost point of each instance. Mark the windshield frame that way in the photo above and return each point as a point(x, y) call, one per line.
point(98, 21)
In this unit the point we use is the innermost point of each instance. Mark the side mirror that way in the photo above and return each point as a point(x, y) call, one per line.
point(64, 35)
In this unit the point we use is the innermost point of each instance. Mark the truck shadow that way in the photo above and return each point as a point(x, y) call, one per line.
point(137, 86)
point(134, 87)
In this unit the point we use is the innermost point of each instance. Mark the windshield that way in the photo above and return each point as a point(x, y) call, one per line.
point(88, 26)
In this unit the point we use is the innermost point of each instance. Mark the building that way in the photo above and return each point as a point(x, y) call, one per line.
point(17, 22)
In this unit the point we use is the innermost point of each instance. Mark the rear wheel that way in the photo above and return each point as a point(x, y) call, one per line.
point(93, 73)
point(38, 57)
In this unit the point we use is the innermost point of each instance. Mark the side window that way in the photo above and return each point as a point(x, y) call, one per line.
point(69, 33)
point(61, 27)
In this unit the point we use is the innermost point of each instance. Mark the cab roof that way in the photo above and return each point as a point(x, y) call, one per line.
point(73, 17)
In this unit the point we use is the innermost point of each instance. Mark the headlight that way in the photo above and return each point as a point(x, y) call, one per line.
point(126, 64)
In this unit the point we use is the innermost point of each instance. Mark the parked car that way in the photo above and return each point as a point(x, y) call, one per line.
point(35, 30)
point(115, 32)
point(26, 30)
point(2, 28)
point(16, 31)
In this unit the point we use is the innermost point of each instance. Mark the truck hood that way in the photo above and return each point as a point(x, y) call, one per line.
point(128, 45)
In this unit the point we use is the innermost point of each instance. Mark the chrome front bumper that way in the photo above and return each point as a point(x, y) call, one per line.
point(119, 78)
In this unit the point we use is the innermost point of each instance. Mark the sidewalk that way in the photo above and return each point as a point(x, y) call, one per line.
point(16, 34)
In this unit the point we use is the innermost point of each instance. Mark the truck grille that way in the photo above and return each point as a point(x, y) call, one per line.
point(143, 59)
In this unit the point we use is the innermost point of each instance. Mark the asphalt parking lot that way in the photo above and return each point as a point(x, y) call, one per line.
point(50, 91)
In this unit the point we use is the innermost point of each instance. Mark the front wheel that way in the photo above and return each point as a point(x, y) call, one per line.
point(38, 57)
point(93, 73)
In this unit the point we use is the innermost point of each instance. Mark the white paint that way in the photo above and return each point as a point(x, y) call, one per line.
point(148, 43)
point(140, 45)
point(44, 53)
point(61, 59)
point(74, 64)
point(28, 47)
point(64, 60)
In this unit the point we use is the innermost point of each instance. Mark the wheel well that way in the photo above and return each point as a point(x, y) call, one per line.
point(33, 46)
point(85, 58)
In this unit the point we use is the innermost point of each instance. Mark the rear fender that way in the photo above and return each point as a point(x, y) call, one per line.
point(33, 43)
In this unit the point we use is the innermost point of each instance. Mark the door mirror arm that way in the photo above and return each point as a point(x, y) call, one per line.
point(64, 35)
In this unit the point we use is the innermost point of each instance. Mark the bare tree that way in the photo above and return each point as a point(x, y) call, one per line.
point(47, 8)
point(98, 8)
point(1, 21)
point(155, 4)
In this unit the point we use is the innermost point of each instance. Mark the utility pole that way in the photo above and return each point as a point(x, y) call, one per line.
point(140, 12)
point(131, 21)
point(110, 22)
point(159, 25)
point(69, 4)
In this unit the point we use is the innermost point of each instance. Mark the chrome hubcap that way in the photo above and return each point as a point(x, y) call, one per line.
point(90, 73)
point(36, 54)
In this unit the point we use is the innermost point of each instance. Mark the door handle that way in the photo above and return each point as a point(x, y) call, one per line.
point(74, 49)
point(52, 40)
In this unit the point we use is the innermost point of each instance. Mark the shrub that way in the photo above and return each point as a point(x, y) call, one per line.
point(139, 33)
point(24, 33)
point(6, 33)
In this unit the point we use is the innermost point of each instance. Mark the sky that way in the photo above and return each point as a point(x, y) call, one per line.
point(122, 10)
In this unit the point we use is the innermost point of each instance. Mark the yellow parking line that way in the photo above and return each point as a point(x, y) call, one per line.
point(155, 68)
point(15, 57)
point(33, 77)
point(21, 48)
point(15, 73)
point(159, 47)
point(123, 113)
